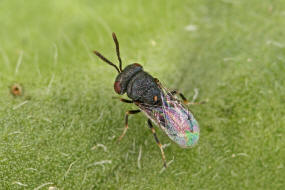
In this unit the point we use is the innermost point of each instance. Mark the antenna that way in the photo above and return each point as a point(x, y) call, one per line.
point(106, 60)
point(117, 49)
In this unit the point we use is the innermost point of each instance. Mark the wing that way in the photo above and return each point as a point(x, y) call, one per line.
point(174, 119)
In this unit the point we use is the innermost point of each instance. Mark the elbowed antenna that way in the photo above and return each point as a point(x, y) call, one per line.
point(117, 49)
point(106, 60)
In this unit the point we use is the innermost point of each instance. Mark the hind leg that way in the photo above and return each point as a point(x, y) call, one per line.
point(157, 141)
point(174, 92)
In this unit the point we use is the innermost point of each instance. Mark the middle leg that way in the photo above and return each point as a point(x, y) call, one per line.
point(130, 112)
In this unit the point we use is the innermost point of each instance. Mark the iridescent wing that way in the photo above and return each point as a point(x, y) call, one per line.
point(174, 119)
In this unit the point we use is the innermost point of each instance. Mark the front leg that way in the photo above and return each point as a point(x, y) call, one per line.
point(124, 100)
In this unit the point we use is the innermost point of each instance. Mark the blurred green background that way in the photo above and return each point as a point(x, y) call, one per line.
point(62, 132)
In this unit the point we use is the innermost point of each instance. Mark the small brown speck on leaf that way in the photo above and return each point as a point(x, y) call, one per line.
point(16, 90)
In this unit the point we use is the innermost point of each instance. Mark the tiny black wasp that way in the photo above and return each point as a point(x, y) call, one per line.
point(156, 102)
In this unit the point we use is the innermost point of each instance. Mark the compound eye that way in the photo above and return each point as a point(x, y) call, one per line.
point(117, 87)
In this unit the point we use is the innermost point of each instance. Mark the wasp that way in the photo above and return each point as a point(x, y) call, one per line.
point(161, 106)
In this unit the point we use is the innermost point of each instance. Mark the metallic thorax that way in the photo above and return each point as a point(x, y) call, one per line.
point(139, 85)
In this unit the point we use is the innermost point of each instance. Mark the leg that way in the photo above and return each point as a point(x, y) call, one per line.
point(174, 92)
point(126, 101)
point(196, 103)
point(157, 141)
point(126, 121)
point(123, 100)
